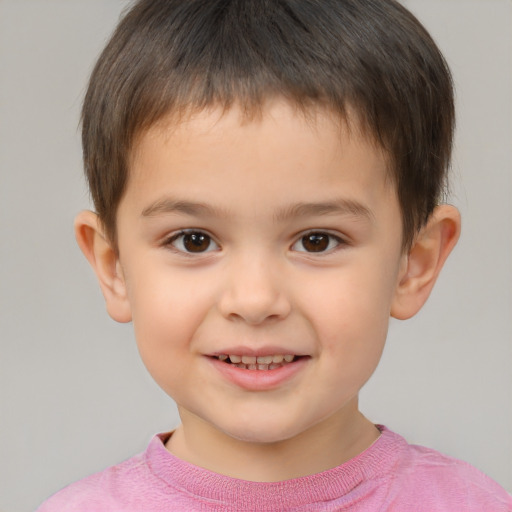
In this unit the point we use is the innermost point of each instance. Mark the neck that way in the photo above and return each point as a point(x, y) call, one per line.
point(324, 446)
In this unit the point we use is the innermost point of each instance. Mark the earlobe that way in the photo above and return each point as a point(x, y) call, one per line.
point(425, 260)
point(104, 260)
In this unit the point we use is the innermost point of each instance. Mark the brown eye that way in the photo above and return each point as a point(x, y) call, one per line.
point(317, 242)
point(196, 242)
point(193, 242)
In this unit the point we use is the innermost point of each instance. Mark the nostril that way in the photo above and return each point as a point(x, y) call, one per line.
point(253, 303)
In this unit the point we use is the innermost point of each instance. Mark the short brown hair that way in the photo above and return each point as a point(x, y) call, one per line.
point(179, 55)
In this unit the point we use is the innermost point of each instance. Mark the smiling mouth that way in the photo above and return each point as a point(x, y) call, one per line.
point(270, 362)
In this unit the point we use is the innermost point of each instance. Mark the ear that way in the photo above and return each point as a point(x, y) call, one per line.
point(425, 260)
point(104, 260)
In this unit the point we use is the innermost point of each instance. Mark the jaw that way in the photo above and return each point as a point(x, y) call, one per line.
point(273, 455)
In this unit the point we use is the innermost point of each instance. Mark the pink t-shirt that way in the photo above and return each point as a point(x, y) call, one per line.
point(390, 475)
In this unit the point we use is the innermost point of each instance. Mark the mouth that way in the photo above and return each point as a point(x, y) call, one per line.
point(265, 369)
point(258, 363)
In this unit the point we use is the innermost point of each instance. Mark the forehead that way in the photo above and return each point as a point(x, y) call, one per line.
point(284, 123)
point(227, 152)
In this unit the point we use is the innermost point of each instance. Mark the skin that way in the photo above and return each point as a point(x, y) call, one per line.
point(254, 189)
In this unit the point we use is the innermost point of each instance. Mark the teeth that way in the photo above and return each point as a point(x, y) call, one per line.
point(265, 359)
point(257, 362)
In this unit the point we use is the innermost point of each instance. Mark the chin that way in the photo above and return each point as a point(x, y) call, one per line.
point(262, 432)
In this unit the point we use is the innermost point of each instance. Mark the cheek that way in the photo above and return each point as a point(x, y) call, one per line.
point(166, 313)
point(348, 301)
point(165, 297)
point(349, 313)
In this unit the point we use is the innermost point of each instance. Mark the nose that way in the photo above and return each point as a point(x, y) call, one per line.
point(254, 291)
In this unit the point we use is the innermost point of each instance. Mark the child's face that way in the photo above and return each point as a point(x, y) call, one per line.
point(272, 237)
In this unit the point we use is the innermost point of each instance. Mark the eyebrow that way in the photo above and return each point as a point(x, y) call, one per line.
point(168, 205)
point(196, 209)
point(336, 207)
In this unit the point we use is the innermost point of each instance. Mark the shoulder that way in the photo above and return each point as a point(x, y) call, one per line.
point(99, 492)
point(442, 483)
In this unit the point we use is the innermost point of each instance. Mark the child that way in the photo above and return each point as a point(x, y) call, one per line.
point(266, 177)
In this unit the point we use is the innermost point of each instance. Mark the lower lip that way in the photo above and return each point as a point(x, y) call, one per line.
point(259, 380)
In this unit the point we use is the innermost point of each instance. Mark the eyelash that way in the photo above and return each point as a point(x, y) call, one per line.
point(333, 242)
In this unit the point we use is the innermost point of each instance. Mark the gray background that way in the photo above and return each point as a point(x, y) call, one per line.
point(74, 396)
